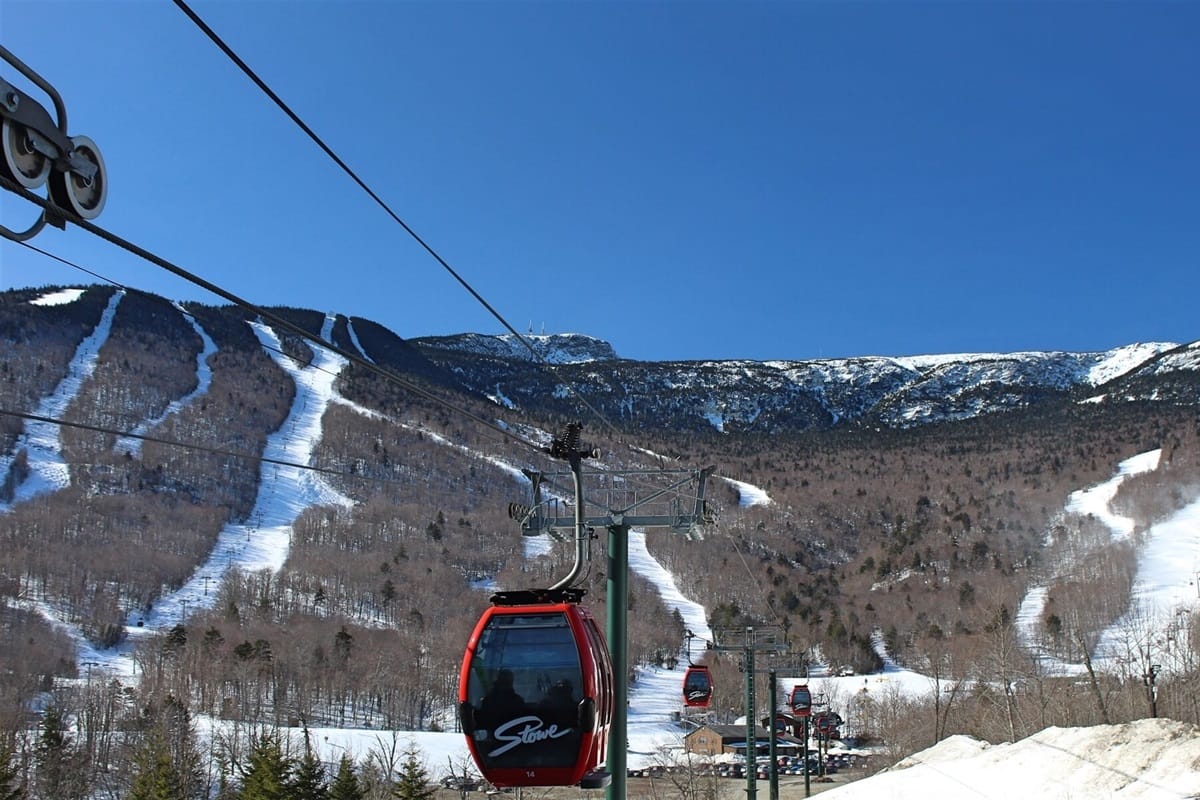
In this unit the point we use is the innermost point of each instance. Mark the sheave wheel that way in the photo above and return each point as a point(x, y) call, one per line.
point(21, 162)
point(76, 193)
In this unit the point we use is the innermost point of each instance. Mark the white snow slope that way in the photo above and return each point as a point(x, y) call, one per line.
point(1168, 565)
point(41, 440)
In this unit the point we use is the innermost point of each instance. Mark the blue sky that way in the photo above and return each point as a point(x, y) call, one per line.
point(683, 179)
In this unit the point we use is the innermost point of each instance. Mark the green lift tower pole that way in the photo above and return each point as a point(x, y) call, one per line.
point(617, 631)
point(751, 728)
point(773, 711)
point(750, 641)
point(657, 506)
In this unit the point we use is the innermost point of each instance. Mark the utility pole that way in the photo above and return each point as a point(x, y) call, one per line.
point(1149, 677)
point(807, 776)
point(678, 505)
point(749, 641)
point(773, 727)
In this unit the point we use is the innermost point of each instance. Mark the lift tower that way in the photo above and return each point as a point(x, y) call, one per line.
point(750, 641)
point(627, 499)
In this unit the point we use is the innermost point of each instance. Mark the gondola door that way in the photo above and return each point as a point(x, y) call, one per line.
point(535, 695)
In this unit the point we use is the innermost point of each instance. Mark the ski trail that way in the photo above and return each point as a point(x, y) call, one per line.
point(656, 694)
point(1094, 501)
point(357, 344)
point(133, 446)
point(1165, 586)
point(748, 493)
point(285, 492)
point(262, 541)
point(42, 441)
point(694, 617)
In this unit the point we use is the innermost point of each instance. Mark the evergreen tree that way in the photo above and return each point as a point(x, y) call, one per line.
point(343, 645)
point(154, 776)
point(267, 776)
point(345, 784)
point(309, 781)
point(167, 763)
point(414, 779)
point(58, 768)
point(11, 787)
point(185, 750)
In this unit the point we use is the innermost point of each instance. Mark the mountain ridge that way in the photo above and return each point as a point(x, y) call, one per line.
point(551, 373)
point(816, 394)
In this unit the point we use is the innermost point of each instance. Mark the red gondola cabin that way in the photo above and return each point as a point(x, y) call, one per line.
point(697, 687)
point(801, 700)
point(535, 692)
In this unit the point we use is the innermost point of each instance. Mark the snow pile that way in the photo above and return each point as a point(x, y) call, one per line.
point(1150, 759)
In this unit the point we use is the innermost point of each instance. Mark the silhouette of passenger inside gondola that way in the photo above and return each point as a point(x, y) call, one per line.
point(559, 706)
point(559, 710)
point(502, 702)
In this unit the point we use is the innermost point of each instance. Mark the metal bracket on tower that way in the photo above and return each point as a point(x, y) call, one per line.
point(629, 499)
point(567, 447)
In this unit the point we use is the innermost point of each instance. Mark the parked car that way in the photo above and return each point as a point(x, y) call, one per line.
point(461, 783)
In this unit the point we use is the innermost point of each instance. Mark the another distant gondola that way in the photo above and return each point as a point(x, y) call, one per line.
point(535, 691)
point(801, 700)
point(697, 687)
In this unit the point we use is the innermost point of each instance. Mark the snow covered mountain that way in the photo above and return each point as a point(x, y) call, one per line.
point(551, 373)
point(351, 481)
point(776, 396)
point(561, 348)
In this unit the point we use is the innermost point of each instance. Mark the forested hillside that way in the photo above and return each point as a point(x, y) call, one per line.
point(930, 534)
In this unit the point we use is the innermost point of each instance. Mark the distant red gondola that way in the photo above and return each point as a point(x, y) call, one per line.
point(697, 687)
point(801, 700)
point(535, 692)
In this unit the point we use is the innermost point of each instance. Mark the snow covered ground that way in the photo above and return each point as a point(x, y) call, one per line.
point(1149, 759)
